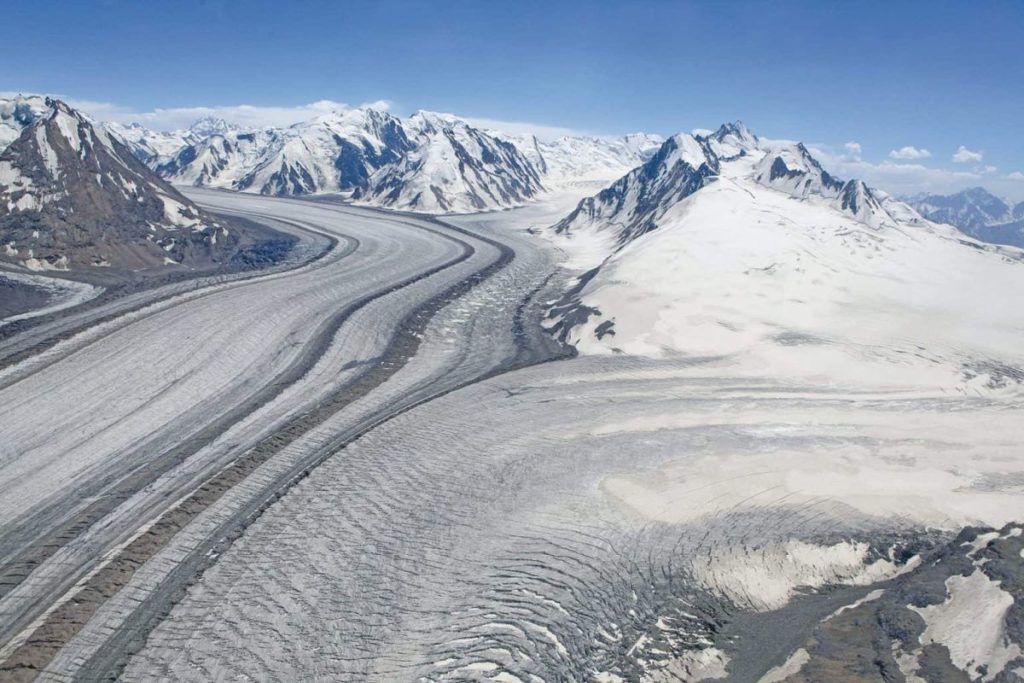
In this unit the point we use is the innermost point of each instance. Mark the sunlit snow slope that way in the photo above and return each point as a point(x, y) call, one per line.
point(764, 257)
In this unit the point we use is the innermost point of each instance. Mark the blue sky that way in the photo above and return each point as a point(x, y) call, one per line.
point(931, 76)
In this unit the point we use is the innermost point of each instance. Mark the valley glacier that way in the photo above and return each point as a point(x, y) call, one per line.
point(684, 410)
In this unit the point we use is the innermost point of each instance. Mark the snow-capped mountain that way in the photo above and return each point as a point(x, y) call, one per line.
point(17, 113)
point(976, 212)
point(154, 147)
point(571, 159)
point(632, 205)
point(794, 171)
point(335, 152)
point(453, 167)
point(763, 257)
point(429, 162)
point(685, 163)
point(72, 196)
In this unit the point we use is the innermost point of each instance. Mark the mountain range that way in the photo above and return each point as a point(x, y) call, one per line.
point(428, 162)
point(977, 212)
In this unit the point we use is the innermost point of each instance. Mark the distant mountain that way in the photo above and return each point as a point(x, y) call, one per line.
point(154, 147)
point(73, 196)
point(579, 158)
point(432, 163)
point(977, 212)
point(429, 162)
point(335, 152)
point(453, 167)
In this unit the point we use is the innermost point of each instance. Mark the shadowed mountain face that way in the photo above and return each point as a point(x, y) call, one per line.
point(72, 197)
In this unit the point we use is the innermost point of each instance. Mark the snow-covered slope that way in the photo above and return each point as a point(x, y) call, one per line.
point(771, 261)
point(17, 113)
point(571, 159)
point(453, 167)
point(72, 196)
point(977, 212)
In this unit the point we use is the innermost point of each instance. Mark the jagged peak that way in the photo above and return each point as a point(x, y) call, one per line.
point(737, 128)
point(732, 140)
point(423, 121)
point(687, 148)
point(58, 106)
point(211, 124)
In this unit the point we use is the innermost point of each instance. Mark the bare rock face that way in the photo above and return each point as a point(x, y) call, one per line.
point(72, 197)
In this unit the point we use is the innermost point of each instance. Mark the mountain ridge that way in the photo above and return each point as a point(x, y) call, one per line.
point(73, 196)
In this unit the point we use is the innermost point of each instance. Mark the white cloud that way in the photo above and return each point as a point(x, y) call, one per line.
point(853, 149)
point(911, 178)
point(909, 152)
point(965, 156)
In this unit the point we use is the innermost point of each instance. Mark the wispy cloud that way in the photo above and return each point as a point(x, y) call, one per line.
point(966, 156)
point(909, 152)
point(1016, 176)
point(853, 149)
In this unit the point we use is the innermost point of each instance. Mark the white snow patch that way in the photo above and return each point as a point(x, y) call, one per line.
point(790, 667)
point(971, 623)
point(870, 597)
point(766, 578)
point(49, 155)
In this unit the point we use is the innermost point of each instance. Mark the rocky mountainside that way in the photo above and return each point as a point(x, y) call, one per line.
point(73, 196)
point(977, 212)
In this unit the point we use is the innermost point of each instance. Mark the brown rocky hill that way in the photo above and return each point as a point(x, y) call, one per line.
point(72, 197)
